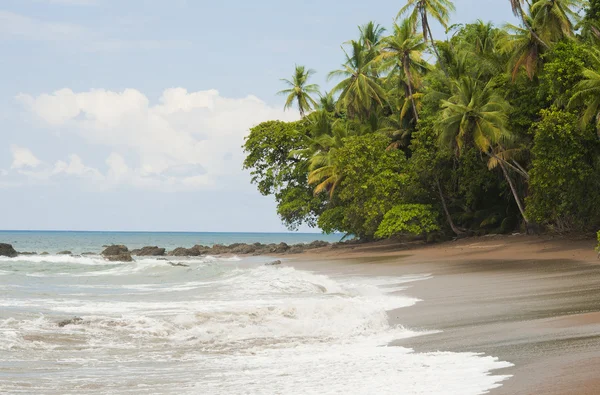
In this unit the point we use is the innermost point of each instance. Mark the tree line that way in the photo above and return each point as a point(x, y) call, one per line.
point(491, 130)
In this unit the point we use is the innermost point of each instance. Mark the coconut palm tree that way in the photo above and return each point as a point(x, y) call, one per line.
point(587, 92)
point(476, 115)
point(555, 19)
point(300, 90)
point(419, 12)
point(360, 89)
point(402, 53)
point(518, 11)
point(371, 34)
point(524, 50)
point(326, 137)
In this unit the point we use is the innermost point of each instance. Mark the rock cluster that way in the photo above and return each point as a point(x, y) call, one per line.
point(247, 249)
point(7, 250)
point(117, 253)
point(149, 251)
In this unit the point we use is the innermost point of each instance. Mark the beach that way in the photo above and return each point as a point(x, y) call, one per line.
point(498, 314)
point(533, 301)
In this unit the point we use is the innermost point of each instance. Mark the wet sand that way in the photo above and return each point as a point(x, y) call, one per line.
point(532, 301)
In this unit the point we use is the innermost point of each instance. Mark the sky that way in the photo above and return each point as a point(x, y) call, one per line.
point(130, 115)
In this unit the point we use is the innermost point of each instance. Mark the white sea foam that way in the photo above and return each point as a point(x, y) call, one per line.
point(217, 327)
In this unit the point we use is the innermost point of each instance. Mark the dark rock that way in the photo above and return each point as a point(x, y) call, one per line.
point(243, 248)
point(7, 250)
point(114, 250)
point(201, 250)
point(45, 253)
point(280, 248)
point(181, 251)
point(27, 253)
point(274, 263)
point(122, 257)
point(178, 264)
point(149, 251)
point(64, 253)
point(219, 249)
point(70, 321)
point(88, 253)
point(297, 249)
point(318, 244)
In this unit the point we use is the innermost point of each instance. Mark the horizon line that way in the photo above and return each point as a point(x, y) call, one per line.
point(156, 231)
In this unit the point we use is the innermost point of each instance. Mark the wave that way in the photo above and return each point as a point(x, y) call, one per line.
point(227, 328)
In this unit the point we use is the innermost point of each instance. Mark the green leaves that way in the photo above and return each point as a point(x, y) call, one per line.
point(415, 219)
point(565, 180)
point(300, 91)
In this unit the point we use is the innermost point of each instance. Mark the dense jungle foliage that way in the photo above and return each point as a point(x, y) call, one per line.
point(492, 130)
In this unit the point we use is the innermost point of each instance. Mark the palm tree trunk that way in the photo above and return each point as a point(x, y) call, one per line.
point(410, 91)
point(521, 13)
point(448, 217)
point(442, 64)
point(514, 191)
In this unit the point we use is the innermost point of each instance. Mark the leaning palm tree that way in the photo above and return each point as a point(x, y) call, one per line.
point(524, 50)
point(476, 115)
point(402, 53)
point(518, 11)
point(419, 12)
point(555, 19)
point(299, 90)
point(587, 92)
point(360, 89)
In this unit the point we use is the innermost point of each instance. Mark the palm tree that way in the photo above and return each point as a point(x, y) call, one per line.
point(420, 10)
point(359, 89)
point(299, 90)
point(518, 11)
point(326, 137)
point(476, 115)
point(401, 53)
point(524, 50)
point(555, 19)
point(587, 92)
point(371, 34)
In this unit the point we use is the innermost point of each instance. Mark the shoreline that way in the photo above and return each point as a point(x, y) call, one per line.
point(533, 301)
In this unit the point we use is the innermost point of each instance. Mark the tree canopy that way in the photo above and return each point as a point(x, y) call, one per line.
point(498, 132)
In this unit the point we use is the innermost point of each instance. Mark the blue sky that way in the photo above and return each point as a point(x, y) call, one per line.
point(129, 115)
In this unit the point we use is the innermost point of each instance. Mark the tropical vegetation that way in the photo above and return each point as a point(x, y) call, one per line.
point(492, 129)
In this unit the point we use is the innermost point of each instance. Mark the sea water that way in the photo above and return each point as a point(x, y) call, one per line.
point(215, 326)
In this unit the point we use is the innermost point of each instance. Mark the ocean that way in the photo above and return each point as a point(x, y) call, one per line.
point(219, 325)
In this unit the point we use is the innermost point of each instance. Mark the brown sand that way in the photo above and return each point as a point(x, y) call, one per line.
point(532, 301)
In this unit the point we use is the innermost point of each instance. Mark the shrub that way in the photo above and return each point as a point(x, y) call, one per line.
point(416, 219)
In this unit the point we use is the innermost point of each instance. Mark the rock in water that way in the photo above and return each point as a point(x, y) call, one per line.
point(115, 250)
point(64, 253)
point(123, 257)
point(181, 251)
point(7, 250)
point(274, 263)
point(117, 253)
point(178, 264)
point(149, 251)
point(70, 321)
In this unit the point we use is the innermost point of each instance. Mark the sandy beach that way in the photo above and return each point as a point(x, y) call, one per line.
point(533, 301)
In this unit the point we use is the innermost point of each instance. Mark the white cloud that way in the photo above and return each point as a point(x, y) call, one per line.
point(23, 157)
point(188, 139)
point(75, 167)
